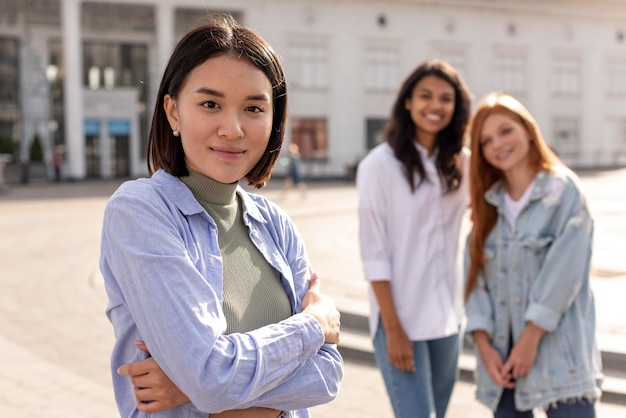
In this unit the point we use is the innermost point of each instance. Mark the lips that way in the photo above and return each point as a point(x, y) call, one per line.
point(228, 153)
point(504, 154)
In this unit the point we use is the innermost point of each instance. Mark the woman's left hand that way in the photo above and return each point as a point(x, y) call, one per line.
point(154, 391)
point(524, 353)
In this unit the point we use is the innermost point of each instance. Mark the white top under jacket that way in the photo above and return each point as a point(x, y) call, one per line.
point(414, 240)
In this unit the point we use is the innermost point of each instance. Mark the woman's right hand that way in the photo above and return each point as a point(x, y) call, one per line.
point(323, 309)
point(155, 392)
point(492, 360)
point(400, 350)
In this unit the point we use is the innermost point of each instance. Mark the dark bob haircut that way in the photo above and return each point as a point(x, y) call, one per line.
point(220, 35)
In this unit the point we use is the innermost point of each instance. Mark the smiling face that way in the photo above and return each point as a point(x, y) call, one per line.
point(431, 106)
point(505, 143)
point(223, 113)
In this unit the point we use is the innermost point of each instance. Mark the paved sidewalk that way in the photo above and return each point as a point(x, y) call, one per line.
point(55, 340)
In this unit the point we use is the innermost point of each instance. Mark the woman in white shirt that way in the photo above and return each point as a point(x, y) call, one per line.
point(412, 198)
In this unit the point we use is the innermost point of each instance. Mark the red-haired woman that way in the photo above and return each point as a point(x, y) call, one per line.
point(529, 306)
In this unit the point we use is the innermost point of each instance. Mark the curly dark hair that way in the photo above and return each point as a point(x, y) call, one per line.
point(220, 35)
point(400, 131)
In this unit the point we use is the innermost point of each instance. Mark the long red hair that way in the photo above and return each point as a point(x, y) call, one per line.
point(483, 175)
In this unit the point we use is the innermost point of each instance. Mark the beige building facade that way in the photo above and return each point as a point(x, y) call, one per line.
point(80, 76)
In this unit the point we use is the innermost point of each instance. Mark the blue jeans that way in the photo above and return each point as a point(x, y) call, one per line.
point(426, 392)
point(581, 408)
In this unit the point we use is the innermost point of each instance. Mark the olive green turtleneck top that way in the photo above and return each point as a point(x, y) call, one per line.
point(253, 294)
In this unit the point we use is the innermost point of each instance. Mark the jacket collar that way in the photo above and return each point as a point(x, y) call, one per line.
point(181, 196)
point(495, 194)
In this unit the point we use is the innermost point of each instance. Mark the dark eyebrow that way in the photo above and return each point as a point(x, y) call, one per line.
point(206, 90)
point(424, 89)
point(211, 92)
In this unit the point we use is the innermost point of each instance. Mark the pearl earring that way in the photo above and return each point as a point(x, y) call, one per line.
point(175, 132)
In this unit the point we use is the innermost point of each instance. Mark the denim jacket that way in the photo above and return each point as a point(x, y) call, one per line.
point(162, 269)
point(539, 272)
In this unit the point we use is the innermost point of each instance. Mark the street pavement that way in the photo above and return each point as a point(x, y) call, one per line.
point(55, 340)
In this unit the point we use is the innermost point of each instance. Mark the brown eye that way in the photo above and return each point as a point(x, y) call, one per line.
point(255, 109)
point(210, 104)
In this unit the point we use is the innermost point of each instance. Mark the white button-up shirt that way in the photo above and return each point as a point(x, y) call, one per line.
point(414, 241)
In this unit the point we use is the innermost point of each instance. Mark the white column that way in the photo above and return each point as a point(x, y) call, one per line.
point(73, 89)
point(165, 34)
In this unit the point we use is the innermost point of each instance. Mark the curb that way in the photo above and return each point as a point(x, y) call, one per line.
point(356, 346)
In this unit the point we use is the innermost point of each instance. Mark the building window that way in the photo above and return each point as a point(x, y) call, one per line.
point(616, 77)
point(510, 73)
point(566, 76)
point(109, 78)
point(374, 128)
point(566, 138)
point(119, 148)
point(91, 127)
point(452, 53)
point(55, 75)
point(8, 72)
point(108, 65)
point(98, 17)
point(309, 65)
point(310, 135)
point(9, 95)
point(93, 77)
point(380, 70)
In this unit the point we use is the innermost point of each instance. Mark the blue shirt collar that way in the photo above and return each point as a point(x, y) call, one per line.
point(182, 197)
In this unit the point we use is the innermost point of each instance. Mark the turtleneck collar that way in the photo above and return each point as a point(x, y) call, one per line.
point(207, 190)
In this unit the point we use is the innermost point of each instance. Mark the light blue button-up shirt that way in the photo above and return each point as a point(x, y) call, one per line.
point(538, 271)
point(162, 269)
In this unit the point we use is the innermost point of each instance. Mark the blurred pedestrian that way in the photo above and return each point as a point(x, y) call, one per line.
point(57, 162)
point(530, 308)
point(294, 175)
point(215, 281)
point(413, 196)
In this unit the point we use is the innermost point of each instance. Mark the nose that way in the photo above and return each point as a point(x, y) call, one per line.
point(496, 141)
point(436, 104)
point(230, 126)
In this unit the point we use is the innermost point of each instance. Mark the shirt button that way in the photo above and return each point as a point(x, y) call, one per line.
point(503, 302)
point(518, 300)
point(514, 267)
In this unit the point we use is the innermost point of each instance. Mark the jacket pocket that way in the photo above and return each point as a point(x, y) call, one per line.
point(534, 254)
point(555, 364)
